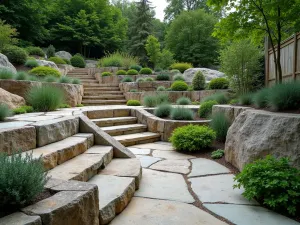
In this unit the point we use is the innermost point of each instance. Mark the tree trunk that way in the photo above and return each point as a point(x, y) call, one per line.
point(279, 68)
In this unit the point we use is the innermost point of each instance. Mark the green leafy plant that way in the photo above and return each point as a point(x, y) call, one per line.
point(175, 71)
point(260, 98)
point(180, 113)
point(218, 83)
point(44, 71)
point(183, 101)
point(106, 74)
point(76, 81)
point(35, 51)
point(163, 77)
point(181, 66)
point(135, 67)
point(272, 181)
point(146, 71)
point(190, 88)
point(157, 69)
point(133, 103)
point(161, 88)
point(192, 138)
point(31, 63)
point(57, 60)
point(77, 61)
point(133, 90)
point(199, 81)
point(234, 101)
point(118, 59)
point(50, 52)
point(132, 72)
point(15, 54)
point(23, 109)
point(220, 124)
point(127, 79)
point(150, 101)
point(64, 106)
point(246, 99)
point(79, 105)
point(221, 98)
point(121, 72)
point(67, 61)
point(149, 79)
point(7, 34)
point(163, 110)
point(6, 74)
point(179, 86)
point(33, 78)
point(206, 108)
point(152, 47)
point(166, 59)
point(217, 154)
point(45, 98)
point(65, 80)
point(178, 77)
point(50, 79)
point(21, 76)
point(140, 80)
point(195, 103)
point(4, 111)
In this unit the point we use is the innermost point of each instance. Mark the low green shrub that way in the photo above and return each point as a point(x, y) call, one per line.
point(44, 71)
point(175, 71)
point(35, 51)
point(183, 101)
point(133, 90)
point(163, 77)
point(161, 88)
point(221, 98)
point(50, 51)
point(33, 78)
point(206, 108)
point(246, 99)
point(273, 181)
point(21, 75)
point(158, 70)
point(57, 60)
point(4, 111)
point(146, 71)
point(64, 106)
point(45, 98)
point(149, 79)
point(79, 105)
point(133, 103)
point(150, 101)
point(163, 110)
point(136, 67)
point(65, 80)
point(132, 72)
point(106, 74)
point(127, 79)
point(179, 86)
point(118, 59)
point(15, 54)
point(121, 72)
point(190, 88)
point(198, 81)
point(67, 61)
point(162, 98)
point(178, 77)
point(31, 63)
point(180, 113)
point(260, 98)
point(76, 81)
point(23, 109)
point(50, 79)
point(192, 138)
point(220, 124)
point(140, 80)
point(181, 66)
point(6, 74)
point(218, 83)
point(195, 103)
point(234, 101)
point(77, 61)
point(218, 154)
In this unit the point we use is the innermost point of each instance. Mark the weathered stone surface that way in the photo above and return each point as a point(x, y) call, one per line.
point(201, 167)
point(218, 188)
point(156, 146)
point(11, 100)
point(37, 118)
point(161, 185)
point(72, 185)
point(147, 161)
point(65, 68)
point(56, 130)
point(14, 124)
point(174, 166)
point(5, 64)
point(115, 194)
point(19, 218)
point(160, 212)
point(15, 139)
point(256, 133)
point(91, 63)
point(73, 93)
point(249, 215)
point(64, 55)
point(140, 151)
point(171, 155)
point(47, 63)
point(230, 111)
point(208, 74)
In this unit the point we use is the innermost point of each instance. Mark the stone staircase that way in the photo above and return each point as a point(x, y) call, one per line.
point(95, 93)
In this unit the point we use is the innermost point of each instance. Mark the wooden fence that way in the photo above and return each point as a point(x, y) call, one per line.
point(290, 60)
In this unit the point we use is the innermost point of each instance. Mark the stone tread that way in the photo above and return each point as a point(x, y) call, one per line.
point(103, 97)
point(133, 128)
point(91, 93)
point(104, 122)
point(98, 87)
point(104, 102)
point(133, 139)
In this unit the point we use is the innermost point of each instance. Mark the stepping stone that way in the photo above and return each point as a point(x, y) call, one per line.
point(147, 161)
point(9, 125)
point(160, 212)
point(201, 167)
point(161, 185)
point(140, 151)
point(174, 166)
point(249, 215)
point(218, 188)
point(171, 155)
point(155, 146)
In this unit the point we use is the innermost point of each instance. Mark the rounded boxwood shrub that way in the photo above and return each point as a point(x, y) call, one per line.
point(146, 71)
point(35, 51)
point(206, 108)
point(121, 72)
point(44, 71)
point(4, 111)
point(220, 124)
point(31, 63)
point(161, 88)
point(179, 86)
point(15, 54)
point(192, 138)
point(198, 81)
point(178, 77)
point(77, 61)
point(218, 83)
point(135, 67)
point(273, 181)
point(181, 113)
point(133, 103)
point(163, 110)
point(106, 74)
point(181, 66)
point(127, 79)
point(132, 72)
point(163, 77)
point(183, 101)
point(57, 60)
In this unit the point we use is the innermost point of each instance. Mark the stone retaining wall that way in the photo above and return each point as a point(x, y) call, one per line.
point(116, 79)
point(73, 92)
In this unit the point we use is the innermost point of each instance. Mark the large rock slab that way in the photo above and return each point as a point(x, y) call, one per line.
point(161, 185)
point(73, 93)
point(256, 133)
point(161, 212)
point(147, 161)
point(218, 188)
point(174, 166)
point(208, 74)
point(63, 55)
point(19, 218)
point(201, 167)
point(47, 63)
point(171, 155)
point(249, 215)
point(5, 64)
point(11, 100)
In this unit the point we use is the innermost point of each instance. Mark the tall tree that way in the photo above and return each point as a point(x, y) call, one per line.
point(7, 35)
point(153, 49)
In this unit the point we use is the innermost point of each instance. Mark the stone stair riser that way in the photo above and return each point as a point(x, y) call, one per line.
point(128, 143)
point(115, 123)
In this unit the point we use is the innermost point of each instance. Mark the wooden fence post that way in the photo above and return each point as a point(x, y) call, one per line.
point(295, 57)
point(267, 61)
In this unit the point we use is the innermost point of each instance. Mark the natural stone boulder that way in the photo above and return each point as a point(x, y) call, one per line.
point(12, 100)
point(91, 63)
point(5, 64)
point(230, 111)
point(19, 218)
point(255, 134)
point(208, 73)
point(47, 63)
point(63, 55)
point(73, 93)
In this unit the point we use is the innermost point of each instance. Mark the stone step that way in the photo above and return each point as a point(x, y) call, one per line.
point(104, 102)
point(140, 138)
point(103, 97)
point(81, 76)
point(77, 73)
point(115, 121)
point(125, 129)
point(59, 152)
point(84, 166)
point(93, 93)
point(101, 88)
point(85, 79)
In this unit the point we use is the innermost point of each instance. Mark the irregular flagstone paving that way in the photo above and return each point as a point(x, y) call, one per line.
point(140, 151)
point(156, 146)
point(201, 167)
point(174, 166)
point(171, 155)
point(147, 161)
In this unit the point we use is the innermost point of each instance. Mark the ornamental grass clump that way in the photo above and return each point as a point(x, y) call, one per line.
point(126, 80)
point(220, 124)
point(150, 101)
point(181, 113)
point(21, 76)
point(76, 81)
point(163, 110)
point(178, 77)
point(118, 59)
point(4, 111)
point(221, 98)
point(206, 109)
point(192, 138)
point(183, 101)
point(6, 74)
point(162, 98)
point(50, 79)
point(65, 80)
point(31, 63)
point(260, 98)
point(246, 99)
point(45, 98)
